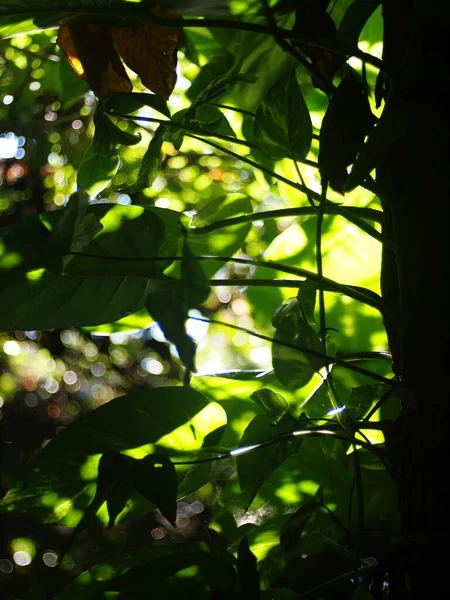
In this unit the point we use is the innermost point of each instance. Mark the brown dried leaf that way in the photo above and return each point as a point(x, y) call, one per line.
point(89, 48)
point(151, 52)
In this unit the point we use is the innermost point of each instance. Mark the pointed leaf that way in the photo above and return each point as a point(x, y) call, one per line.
point(76, 228)
point(223, 84)
point(170, 305)
point(293, 528)
point(99, 165)
point(173, 417)
point(224, 207)
point(275, 405)
point(151, 52)
point(218, 63)
point(90, 51)
point(295, 368)
point(127, 103)
point(156, 479)
point(112, 469)
point(346, 124)
point(150, 163)
point(248, 576)
point(354, 19)
point(306, 296)
point(283, 127)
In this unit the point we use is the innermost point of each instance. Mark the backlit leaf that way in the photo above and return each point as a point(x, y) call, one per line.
point(256, 466)
point(170, 304)
point(151, 52)
point(293, 528)
point(283, 126)
point(127, 103)
point(150, 163)
point(275, 405)
point(90, 50)
point(156, 479)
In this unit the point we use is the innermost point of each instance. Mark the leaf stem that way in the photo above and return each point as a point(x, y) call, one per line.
point(371, 299)
point(325, 357)
point(282, 42)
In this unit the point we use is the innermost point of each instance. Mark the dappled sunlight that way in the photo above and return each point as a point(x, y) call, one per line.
point(190, 436)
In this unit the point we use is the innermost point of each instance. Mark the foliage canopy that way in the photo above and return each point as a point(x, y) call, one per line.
point(190, 206)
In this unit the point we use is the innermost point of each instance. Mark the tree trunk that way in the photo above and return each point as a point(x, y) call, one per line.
point(412, 176)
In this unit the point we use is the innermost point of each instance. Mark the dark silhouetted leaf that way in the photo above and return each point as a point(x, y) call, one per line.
point(119, 287)
point(170, 305)
point(112, 470)
point(90, 51)
point(224, 207)
point(293, 528)
point(130, 422)
point(151, 52)
point(295, 368)
point(100, 164)
point(248, 576)
point(223, 84)
point(282, 127)
point(354, 19)
point(306, 296)
point(313, 20)
point(218, 63)
point(345, 125)
point(156, 479)
point(275, 405)
point(150, 164)
point(127, 103)
point(76, 228)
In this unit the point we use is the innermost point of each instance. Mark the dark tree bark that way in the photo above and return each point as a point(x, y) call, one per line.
point(412, 175)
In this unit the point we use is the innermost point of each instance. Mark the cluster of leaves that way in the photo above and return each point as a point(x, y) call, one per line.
point(95, 264)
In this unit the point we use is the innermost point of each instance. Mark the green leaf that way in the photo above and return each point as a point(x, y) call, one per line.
point(223, 84)
point(34, 297)
point(260, 57)
point(218, 63)
point(215, 569)
point(112, 470)
point(170, 305)
point(226, 241)
point(201, 473)
point(248, 576)
point(150, 164)
point(306, 296)
point(101, 161)
point(130, 102)
point(174, 418)
point(295, 368)
point(353, 21)
point(120, 136)
point(255, 467)
point(275, 405)
point(71, 87)
point(99, 165)
point(75, 229)
point(346, 124)
point(283, 127)
point(207, 118)
point(156, 479)
point(93, 583)
point(288, 316)
point(293, 528)
point(223, 207)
